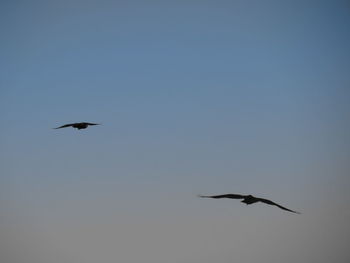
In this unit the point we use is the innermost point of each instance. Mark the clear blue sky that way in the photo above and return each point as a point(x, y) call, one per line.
point(195, 97)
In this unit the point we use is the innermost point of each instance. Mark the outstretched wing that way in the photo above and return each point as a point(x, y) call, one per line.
point(65, 126)
point(269, 202)
point(232, 196)
point(88, 123)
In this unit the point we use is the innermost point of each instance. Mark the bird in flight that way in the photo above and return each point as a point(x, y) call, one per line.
point(247, 199)
point(78, 125)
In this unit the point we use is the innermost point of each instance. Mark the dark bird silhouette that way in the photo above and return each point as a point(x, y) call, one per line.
point(247, 199)
point(78, 125)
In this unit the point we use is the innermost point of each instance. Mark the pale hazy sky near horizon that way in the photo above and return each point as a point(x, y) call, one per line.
point(194, 97)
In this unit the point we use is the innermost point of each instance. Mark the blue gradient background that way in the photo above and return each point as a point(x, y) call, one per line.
point(195, 97)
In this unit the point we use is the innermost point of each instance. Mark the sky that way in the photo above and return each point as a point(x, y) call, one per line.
point(194, 97)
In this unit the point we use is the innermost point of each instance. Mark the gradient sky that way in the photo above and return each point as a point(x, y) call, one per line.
point(195, 97)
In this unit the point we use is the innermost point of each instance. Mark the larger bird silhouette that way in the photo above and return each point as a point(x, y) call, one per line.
point(78, 125)
point(247, 199)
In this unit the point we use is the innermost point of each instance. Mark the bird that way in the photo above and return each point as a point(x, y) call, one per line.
point(247, 199)
point(78, 125)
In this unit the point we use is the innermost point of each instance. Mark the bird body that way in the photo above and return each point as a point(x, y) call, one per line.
point(248, 200)
point(78, 125)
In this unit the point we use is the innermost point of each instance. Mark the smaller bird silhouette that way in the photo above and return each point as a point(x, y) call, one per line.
point(78, 125)
point(248, 199)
